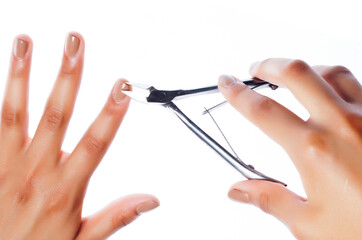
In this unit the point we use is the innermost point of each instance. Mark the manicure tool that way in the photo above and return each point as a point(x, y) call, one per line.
point(149, 94)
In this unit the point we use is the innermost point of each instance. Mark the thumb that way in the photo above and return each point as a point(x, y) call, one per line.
point(115, 216)
point(272, 198)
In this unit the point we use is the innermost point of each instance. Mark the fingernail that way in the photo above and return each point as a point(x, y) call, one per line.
point(253, 68)
point(71, 46)
point(226, 81)
point(146, 206)
point(20, 48)
point(239, 195)
point(117, 94)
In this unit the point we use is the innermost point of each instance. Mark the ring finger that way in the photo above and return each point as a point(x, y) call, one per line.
point(305, 84)
point(342, 81)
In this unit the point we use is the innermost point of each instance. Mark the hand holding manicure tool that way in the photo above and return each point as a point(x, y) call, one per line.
point(149, 94)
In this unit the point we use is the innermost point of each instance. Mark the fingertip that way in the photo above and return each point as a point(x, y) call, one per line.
point(154, 198)
point(74, 46)
point(238, 195)
point(78, 36)
point(233, 90)
point(138, 198)
point(73, 57)
point(141, 202)
point(226, 81)
point(253, 68)
point(22, 47)
point(240, 186)
point(118, 95)
point(144, 196)
point(147, 206)
point(119, 213)
point(244, 190)
point(24, 37)
point(253, 185)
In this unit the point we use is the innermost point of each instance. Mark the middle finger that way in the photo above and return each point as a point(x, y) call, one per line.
point(342, 81)
point(307, 86)
point(59, 107)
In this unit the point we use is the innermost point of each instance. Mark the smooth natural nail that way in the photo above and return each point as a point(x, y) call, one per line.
point(117, 94)
point(226, 81)
point(20, 48)
point(239, 195)
point(72, 45)
point(146, 206)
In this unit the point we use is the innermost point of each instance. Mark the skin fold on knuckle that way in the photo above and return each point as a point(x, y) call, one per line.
point(54, 118)
point(332, 72)
point(121, 219)
point(295, 68)
point(314, 142)
point(94, 145)
point(11, 117)
point(263, 202)
point(25, 189)
point(352, 126)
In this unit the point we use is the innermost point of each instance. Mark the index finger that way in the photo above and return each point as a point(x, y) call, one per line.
point(94, 144)
point(308, 87)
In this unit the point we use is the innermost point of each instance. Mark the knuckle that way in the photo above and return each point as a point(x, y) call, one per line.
point(22, 197)
point(94, 145)
point(260, 107)
point(353, 125)
point(57, 198)
point(121, 219)
point(332, 72)
point(339, 69)
point(263, 202)
point(295, 67)
point(316, 144)
point(54, 118)
point(26, 190)
point(11, 117)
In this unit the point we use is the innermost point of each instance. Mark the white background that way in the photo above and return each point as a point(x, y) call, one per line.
point(180, 44)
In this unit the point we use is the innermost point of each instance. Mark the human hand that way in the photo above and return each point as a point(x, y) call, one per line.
point(326, 149)
point(41, 187)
